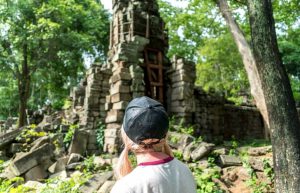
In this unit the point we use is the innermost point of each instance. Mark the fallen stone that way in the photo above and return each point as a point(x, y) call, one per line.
point(26, 161)
point(203, 164)
point(61, 175)
point(229, 160)
point(222, 185)
point(79, 142)
point(96, 182)
point(36, 173)
point(106, 187)
point(39, 142)
point(220, 151)
point(74, 157)
point(201, 151)
point(188, 151)
point(59, 165)
point(230, 173)
point(74, 166)
point(34, 185)
point(7, 173)
point(15, 148)
point(256, 163)
point(9, 136)
point(99, 162)
point(180, 141)
point(258, 151)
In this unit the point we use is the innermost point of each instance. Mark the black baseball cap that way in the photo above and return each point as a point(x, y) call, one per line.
point(145, 118)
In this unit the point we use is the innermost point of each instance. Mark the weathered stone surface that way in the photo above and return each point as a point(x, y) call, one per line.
point(120, 76)
point(79, 142)
point(74, 157)
point(220, 150)
point(229, 160)
point(9, 136)
point(259, 151)
point(39, 142)
point(120, 105)
point(106, 187)
point(114, 116)
point(36, 173)
point(96, 182)
point(74, 166)
point(256, 163)
point(201, 151)
point(61, 175)
point(34, 185)
point(15, 148)
point(7, 173)
point(28, 160)
point(179, 140)
point(111, 132)
point(120, 97)
point(119, 89)
point(99, 161)
point(59, 165)
point(187, 151)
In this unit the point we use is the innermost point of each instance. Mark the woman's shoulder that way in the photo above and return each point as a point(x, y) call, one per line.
point(125, 184)
point(121, 186)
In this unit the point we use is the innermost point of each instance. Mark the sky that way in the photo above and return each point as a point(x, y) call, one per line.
point(107, 3)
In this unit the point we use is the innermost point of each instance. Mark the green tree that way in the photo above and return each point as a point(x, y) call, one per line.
point(46, 40)
point(221, 67)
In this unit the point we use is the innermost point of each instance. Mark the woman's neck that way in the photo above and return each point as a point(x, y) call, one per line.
point(150, 156)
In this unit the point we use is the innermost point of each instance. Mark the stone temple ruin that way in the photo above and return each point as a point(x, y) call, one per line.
point(137, 66)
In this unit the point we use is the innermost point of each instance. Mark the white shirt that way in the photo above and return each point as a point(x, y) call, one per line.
point(170, 177)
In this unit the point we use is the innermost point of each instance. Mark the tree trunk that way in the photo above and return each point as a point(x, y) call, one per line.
point(283, 116)
point(248, 60)
point(24, 88)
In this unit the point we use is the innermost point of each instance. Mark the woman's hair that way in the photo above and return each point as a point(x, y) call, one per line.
point(149, 145)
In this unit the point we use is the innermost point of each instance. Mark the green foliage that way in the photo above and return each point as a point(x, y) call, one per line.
point(221, 68)
point(269, 171)
point(2, 167)
point(69, 135)
point(132, 159)
point(172, 123)
point(67, 103)
point(72, 184)
point(174, 139)
point(8, 96)
point(89, 165)
point(178, 155)
point(205, 182)
point(234, 146)
point(100, 134)
point(8, 186)
point(256, 185)
point(29, 134)
point(46, 42)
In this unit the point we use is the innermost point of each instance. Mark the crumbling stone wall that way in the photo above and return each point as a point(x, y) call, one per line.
point(89, 103)
point(181, 99)
point(216, 118)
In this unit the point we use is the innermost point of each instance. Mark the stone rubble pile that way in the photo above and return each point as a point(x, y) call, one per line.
point(46, 157)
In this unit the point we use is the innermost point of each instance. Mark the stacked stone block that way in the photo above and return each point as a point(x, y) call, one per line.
point(93, 111)
point(116, 103)
point(181, 90)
